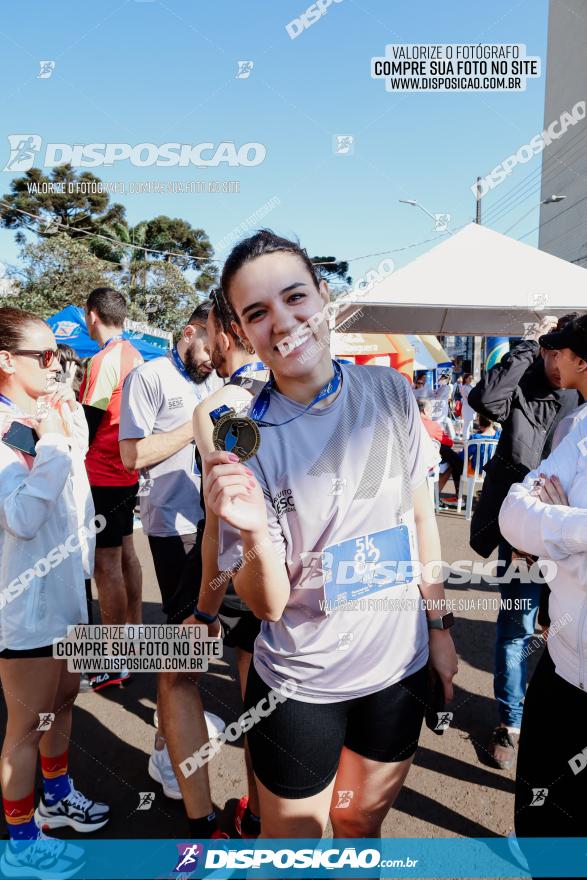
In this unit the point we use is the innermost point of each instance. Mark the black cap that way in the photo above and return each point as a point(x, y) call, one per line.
point(573, 336)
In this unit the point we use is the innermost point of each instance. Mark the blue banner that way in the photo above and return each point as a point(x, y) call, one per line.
point(495, 857)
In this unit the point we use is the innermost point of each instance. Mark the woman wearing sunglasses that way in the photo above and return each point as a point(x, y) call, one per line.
point(336, 489)
point(46, 550)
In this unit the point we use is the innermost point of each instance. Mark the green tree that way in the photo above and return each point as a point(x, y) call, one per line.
point(161, 295)
point(76, 202)
point(187, 248)
point(57, 272)
point(335, 272)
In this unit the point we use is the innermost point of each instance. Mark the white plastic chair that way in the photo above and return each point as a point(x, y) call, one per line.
point(485, 452)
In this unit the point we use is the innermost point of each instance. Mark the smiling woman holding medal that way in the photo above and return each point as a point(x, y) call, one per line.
point(333, 507)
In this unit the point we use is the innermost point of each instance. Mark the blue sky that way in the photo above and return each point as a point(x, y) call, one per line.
point(165, 71)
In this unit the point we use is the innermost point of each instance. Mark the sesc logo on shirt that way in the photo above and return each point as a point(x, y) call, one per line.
point(284, 503)
point(175, 402)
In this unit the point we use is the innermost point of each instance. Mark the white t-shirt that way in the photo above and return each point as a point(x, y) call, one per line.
point(468, 412)
point(332, 475)
point(156, 398)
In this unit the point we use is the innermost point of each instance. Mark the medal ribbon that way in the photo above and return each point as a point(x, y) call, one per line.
point(248, 368)
point(181, 366)
point(7, 401)
point(264, 397)
point(112, 339)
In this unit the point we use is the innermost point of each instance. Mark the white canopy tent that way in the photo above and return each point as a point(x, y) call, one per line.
point(477, 282)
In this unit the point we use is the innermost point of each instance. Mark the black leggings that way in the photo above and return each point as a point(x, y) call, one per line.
point(455, 463)
point(552, 734)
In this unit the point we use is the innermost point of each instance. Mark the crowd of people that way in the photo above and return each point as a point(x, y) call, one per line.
point(247, 546)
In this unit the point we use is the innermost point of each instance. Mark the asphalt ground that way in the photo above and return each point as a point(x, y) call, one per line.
point(450, 790)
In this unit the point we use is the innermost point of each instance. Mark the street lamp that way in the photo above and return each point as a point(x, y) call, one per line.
point(441, 221)
point(550, 200)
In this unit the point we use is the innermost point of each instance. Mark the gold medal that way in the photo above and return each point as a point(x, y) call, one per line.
point(237, 434)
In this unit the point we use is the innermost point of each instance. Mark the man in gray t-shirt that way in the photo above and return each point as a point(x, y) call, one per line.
point(156, 437)
point(329, 506)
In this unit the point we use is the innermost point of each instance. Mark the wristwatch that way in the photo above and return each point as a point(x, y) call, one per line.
point(205, 618)
point(444, 622)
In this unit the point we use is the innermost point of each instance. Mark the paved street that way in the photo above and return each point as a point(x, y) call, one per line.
point(449, 792)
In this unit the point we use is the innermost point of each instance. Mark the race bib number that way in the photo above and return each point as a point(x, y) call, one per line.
point(361, 566)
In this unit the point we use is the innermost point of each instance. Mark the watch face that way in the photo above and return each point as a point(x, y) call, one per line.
point(448, 620)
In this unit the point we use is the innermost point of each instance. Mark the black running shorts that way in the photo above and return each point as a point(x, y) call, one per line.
point(295, 750)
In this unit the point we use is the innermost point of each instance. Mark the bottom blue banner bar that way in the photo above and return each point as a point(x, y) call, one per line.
point(53, 859)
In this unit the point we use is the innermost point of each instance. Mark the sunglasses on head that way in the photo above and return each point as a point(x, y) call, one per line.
point(45, 357)
point(223, 308)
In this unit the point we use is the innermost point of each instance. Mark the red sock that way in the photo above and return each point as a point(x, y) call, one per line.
point(19, 817)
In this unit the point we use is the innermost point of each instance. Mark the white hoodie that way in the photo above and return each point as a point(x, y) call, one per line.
point(45, 551)
point(559, 533)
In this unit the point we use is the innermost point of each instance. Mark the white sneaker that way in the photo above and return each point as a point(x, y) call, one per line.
point(45, 858)
point(214, 724)
point(161, 770)
point(75, 810)
point(85, 685)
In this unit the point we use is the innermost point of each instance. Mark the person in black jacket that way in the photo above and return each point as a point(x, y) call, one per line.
point(523, 393)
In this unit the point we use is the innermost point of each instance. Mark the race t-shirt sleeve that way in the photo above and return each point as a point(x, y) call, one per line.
point(419, 442)
point(141, 401)
point(102, 378)
point(230, 547)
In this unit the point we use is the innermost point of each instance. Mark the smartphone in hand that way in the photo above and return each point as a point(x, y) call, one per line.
point(21, 437)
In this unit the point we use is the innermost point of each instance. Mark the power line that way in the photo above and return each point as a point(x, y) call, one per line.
point(547, 172)
point(123, 244)
point(556, 216)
